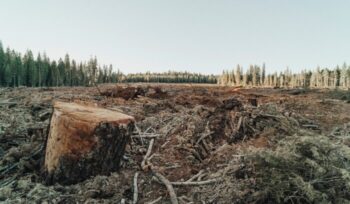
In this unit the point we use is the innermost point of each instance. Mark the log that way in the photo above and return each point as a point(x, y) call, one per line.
point(84, 141)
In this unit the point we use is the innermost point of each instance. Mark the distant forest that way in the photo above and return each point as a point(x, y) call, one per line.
point(256, 76)
point(38, 71)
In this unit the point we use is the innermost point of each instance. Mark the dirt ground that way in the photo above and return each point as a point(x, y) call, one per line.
point(200, 133)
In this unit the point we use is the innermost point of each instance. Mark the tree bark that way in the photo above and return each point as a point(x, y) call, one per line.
point(84, 141)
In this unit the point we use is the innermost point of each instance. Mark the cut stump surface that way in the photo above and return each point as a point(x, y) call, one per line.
point(84, 141)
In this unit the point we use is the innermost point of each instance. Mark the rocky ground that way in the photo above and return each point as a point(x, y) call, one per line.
point(214, 144)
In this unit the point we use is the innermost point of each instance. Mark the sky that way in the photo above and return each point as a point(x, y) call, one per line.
point(204, 36)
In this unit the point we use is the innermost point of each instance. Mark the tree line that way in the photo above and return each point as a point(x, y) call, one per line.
point(37, 71)
point(171, 77)
point(27, 70)
point(255, 76)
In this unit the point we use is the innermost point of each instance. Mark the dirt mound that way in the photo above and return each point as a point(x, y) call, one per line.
point(124, 92)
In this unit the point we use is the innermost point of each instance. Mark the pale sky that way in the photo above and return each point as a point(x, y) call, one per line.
point(195, 35)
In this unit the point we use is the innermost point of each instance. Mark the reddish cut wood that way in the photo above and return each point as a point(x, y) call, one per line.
point(84, 141)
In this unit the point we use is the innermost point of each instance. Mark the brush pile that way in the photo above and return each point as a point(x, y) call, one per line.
point(302, 169)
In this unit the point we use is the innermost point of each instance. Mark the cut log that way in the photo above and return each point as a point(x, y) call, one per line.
point(84, 141)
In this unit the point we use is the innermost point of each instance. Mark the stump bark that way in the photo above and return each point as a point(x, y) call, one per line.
point(84, 141)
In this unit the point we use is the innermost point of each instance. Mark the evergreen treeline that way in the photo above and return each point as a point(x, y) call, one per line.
point(27, 70)
point(171, 77)
point(37, 71)
point(338, 77)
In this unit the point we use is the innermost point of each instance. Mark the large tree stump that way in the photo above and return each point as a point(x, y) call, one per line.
point(84, 141)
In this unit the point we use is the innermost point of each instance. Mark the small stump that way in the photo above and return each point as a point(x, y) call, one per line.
point(84, 141)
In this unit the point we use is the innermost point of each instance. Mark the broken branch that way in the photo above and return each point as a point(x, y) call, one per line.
point(169, 186)
point(195, 176)
point(195, 183)
point(155, 201)
point(136, 193)
point(146, 136)
point(149, 150)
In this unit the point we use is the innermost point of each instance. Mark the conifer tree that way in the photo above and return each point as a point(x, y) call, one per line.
point(2, 67)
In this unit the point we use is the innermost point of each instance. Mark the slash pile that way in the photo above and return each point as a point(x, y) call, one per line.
point(192, 144)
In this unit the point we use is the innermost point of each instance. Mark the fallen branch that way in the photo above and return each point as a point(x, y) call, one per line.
point(155, 201)
point(4, 103)
point(203, 137)
point(10, 167)
point(165, 143)
point(149, 150)
point(172, 166)
point(201, 176)
point(8, 181)
point(146, 131)
point(239, 124)
point(185, 199)
point(206, 146)
point(137, 129)
point(144, 135)
point(169, 186)
point(136, 193)
point(7, 169)
point(195, 176)
point(312, 126)
point(153, 155)
point(195, 183)
point(139, 132)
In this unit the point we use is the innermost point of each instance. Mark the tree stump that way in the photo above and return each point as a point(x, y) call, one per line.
point(84, 141)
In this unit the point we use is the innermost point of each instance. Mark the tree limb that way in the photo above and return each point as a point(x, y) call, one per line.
point(169, 186)
point(136, 193)
point(149, 150)
point(195, 183)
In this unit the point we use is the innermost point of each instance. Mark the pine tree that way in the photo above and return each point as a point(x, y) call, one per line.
point(39, 70)
point(56, 74)
point(263, 73)
point(92, 67)
point(245, 78)
point(81, 75)
point(2, 67)
point(19, 67)
point(67, 78)
point(238, 75)
point(29, 69)
point(61, 78)
point(74, 74)
point(45, 70)
point(343, 77)
point(7, 75)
